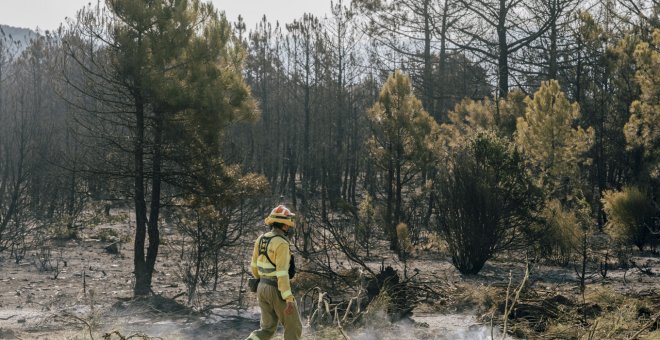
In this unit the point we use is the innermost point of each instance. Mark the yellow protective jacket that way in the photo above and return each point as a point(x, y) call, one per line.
point(279, 252)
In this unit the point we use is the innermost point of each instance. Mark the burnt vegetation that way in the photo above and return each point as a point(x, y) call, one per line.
point(484, 134)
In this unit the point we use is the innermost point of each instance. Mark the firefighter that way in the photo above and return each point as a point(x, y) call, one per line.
point(271, 264)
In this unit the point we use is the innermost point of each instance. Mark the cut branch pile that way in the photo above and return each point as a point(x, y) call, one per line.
point(385, 292)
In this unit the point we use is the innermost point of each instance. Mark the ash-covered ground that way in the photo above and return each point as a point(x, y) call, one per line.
point(84, 291)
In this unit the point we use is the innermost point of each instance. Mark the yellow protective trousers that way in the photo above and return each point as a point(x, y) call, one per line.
point(272, 311)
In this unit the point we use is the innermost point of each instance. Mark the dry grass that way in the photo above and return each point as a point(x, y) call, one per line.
point(378, 307)
point(623, 317)
point(603, 296)
point(431, 241)
point(305, 281)
point(562, 331)
point(481, 298)
point(605, 314)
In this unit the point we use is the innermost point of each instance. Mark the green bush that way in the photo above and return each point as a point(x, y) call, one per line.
point(485, 200)
point(630, 216)
point(108, 235)
point(62, 232)
point(562, 233)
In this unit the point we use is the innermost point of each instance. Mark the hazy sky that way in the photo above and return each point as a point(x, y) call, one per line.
point(48, 14)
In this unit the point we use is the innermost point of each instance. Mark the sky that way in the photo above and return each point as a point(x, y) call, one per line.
point(48, 14)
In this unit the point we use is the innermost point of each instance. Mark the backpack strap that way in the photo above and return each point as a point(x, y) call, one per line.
point(264, 241)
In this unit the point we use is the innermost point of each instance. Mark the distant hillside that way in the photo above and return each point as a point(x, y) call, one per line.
point(17, 34)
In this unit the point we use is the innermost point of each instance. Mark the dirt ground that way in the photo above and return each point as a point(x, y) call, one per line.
point(87, 292)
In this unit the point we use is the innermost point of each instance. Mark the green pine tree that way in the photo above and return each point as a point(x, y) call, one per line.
point(643, 128)
point(168, 73)
point(400, 144)
point(553, 145)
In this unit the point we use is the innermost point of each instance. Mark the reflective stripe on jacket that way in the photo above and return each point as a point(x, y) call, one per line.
point(279, 252)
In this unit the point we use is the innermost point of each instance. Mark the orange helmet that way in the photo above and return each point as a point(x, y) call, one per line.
point(281, 214)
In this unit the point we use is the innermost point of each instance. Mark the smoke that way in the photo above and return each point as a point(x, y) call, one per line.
point(218, 323)
point(224, 323)
point(449, 327)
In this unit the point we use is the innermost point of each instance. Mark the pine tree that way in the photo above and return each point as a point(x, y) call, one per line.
point(400, 143)
point(643, 129)
point(555, 148)
point(167, 74)
point(470, 116)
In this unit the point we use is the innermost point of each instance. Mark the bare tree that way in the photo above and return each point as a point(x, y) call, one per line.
point(496, 29)
point(416, 31)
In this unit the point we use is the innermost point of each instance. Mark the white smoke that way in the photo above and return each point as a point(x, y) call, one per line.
point(436, 326)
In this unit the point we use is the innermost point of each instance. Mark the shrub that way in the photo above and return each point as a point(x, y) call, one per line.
point(562, 233)
point(485, 201)
point(62, 232)
point(405, 246)
point(630, 216)
point(367, 224)
point(108, 235)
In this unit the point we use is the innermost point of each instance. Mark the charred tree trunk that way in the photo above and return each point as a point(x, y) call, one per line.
point(503, 53)
point(154, 210)
point(441, 116)
point(429, 100)
point(142, 274)
point(391, 228)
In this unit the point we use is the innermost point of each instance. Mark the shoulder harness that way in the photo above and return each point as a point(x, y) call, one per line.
point(263, 250)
